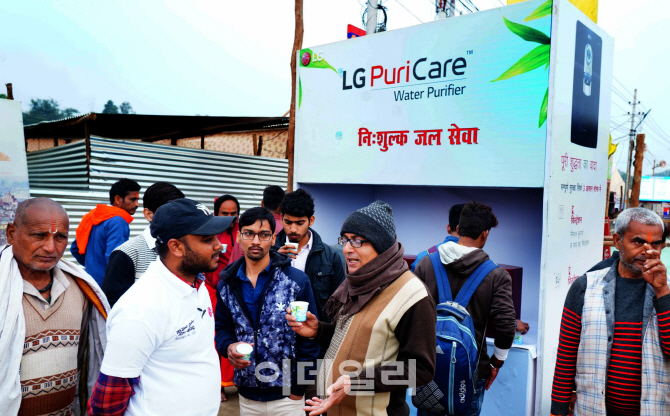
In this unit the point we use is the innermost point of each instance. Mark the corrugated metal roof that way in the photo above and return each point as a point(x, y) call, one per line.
point(60, 173)
point(60, 120)
point(147, 127)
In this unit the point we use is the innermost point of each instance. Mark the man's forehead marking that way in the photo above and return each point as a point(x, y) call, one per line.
point(52, 225)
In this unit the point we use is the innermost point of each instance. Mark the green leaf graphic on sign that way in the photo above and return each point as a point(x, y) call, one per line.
point(543, 109)
point(542, 11)
point(536, 57)
point(527, 33)
point(308, 59)
point(299, 92)
point(533, 59)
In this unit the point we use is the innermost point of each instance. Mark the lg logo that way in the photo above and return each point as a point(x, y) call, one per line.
point(307, 58)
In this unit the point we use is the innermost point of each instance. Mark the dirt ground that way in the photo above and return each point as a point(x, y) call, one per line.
point(232, 406)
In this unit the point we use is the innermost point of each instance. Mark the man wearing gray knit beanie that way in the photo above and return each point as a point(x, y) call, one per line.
point(374, 223)
point(383, 319)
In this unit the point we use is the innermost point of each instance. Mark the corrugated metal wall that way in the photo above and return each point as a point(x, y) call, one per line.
point(60, 173)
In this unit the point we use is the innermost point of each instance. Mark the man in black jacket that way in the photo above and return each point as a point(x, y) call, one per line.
point(319, 261)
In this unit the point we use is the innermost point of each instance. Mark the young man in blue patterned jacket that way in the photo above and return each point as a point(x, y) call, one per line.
point(253, 295)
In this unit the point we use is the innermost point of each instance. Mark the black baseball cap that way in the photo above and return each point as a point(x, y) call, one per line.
point(185, 216)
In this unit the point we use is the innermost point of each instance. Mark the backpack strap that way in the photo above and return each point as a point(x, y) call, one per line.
point(432, 250)
point(474, 281)
point(443, 287)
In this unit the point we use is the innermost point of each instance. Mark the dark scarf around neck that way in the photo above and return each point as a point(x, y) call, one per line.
point(367, 282)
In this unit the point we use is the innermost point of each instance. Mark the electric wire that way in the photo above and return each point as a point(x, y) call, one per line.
point(408, 11)
point(623, 86)
point(464, 5)
point(621, 108)
point(471, 4)
point(620, 95)
point(619, 125)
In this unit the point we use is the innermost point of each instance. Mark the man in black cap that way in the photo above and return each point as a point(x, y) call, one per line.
point(383, 323)
point(160, 358)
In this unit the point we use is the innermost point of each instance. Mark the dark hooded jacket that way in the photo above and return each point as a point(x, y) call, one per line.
point(493, 297)
point(273, 339)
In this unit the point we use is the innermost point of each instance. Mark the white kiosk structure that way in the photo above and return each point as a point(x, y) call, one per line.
point(508, 107)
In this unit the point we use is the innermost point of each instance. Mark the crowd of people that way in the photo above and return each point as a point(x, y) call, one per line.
point(163, 322)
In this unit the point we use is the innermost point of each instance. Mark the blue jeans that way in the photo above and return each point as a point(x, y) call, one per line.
point(475, 404)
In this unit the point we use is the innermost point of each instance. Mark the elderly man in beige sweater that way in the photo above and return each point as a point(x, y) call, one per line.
point(52, 317)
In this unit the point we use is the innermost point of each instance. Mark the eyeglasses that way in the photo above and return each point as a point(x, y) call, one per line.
point(355, 242)
point(263, 236)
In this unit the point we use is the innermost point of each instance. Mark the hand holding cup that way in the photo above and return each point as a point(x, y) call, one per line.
point(290, 249)
point(307, 328)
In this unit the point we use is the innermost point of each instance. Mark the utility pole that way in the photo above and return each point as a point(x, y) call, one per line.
point(371, 24)
point(445, 9)
point(290, 140)
point(637, 175)
point(631, 143)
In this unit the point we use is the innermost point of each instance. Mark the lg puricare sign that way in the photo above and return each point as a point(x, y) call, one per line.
point(467, 97)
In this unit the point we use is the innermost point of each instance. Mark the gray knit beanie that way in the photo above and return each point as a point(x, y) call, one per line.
point(374, 223)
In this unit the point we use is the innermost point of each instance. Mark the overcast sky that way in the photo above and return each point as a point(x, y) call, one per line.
point(225, 58)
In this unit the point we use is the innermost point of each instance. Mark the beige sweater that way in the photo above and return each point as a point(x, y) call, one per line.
point(395, 328)
point(49, 364)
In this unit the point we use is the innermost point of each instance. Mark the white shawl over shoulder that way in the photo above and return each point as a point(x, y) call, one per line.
point(13, 328)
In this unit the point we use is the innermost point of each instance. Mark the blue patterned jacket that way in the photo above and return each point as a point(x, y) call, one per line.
point(273, 339)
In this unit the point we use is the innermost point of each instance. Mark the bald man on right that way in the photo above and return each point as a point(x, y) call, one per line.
point(52, 317)
point(614, 345)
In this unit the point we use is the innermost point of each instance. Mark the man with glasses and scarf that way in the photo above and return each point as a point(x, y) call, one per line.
point(253, 294)
point(383, 324)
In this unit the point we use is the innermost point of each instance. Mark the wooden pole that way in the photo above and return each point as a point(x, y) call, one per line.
point(631, 144)
point(607, 204)
point(10, 92)
point(637, 175)
point(254, 142)
point(290, 141)
point(87, 146)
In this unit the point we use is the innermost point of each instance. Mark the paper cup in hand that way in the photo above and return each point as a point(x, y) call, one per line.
point(245, 349)
point(299, 310)
point(294, 246)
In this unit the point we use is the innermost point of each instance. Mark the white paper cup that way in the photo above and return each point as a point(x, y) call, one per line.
point(292, 245)
point(518, 338)
point(299, 310)
point(245, 349)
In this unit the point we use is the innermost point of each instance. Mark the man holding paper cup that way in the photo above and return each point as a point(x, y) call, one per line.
point(271, 362)
point(298, 240)
point(382, 338)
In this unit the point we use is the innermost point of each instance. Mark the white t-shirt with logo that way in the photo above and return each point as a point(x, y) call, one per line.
point(162, 330)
